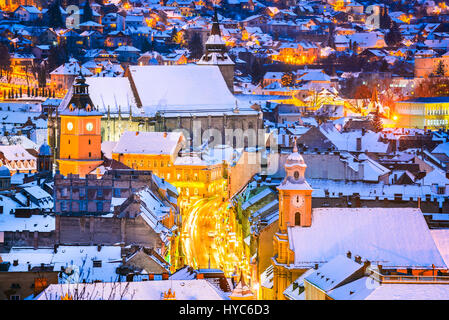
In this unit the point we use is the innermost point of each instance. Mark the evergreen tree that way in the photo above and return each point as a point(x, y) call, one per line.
point(57, 56)
point(441, 70)
point(5, 59)
point(195, 46)
point(147, 45)
point(174, 35)
point(55, 16)
point(377, 121)
point(331, 39)
point(87, 12)
point(256, 71)
point(394, 35)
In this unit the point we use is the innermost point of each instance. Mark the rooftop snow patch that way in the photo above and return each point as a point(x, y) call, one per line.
point(396, 237)
point(181, 88)
point(148, 142)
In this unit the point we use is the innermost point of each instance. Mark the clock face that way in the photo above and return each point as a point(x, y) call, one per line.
point(69, 126)
point(297, 201)
point(89, 126)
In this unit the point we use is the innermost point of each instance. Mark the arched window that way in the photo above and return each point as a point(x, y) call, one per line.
point(296, 175)
point(297, 219)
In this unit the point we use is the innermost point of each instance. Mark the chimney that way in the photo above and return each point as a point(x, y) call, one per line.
point(348, 254)
point(55, 248)
point(366, 264)
point(359, 144)
point(137, 133)
point(99, 247)
point(316, 266)
point(363, 131)
point(358, 259)
point(15, 263)
point(165, 134)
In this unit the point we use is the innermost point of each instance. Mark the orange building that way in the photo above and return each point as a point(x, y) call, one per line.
point(80, 146)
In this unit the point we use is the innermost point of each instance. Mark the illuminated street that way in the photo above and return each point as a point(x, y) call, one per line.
point(209, 237)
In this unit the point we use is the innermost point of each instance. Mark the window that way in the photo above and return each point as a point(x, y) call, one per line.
point(82, 193)
point(297, 219)
point(117, 192)
point(63, 206)
point(99, 206)
point(14, 297)
point(89, 141)
point(97, 263)
point(296, 175)
point(90, 154)
point(83, 206)
point(100, 193)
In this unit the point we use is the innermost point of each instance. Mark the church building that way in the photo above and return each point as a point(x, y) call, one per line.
point(216, 54)
point(165, 98)
point(397, 241)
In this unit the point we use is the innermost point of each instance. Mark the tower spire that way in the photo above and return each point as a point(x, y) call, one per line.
point(215, 25)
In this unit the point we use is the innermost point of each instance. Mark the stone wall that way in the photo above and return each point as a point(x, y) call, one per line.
point(106, 231)
point(28, 239)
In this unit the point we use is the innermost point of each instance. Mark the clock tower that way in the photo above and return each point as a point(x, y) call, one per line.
point(295, 194)
point(80, 146)
point(295, 211)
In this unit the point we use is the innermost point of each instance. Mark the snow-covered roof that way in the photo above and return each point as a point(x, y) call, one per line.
point(182, 88)
point(113, 94)
point(441, 238)
point(366, 289)
point(333, 273)
point(143, 290)
point(154, 143)
point(16, 152)
point(9, 222)
point(394, 238)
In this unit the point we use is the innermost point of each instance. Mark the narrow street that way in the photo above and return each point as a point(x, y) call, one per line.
point(209, 237)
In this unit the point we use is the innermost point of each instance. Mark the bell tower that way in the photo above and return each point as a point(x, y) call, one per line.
point(295, 211)
point(295, 194)
point(216, 54)
point(80, 146)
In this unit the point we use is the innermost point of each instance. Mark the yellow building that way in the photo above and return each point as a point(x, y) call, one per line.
point(158, 152)
point(429, 113)
point(80, 140)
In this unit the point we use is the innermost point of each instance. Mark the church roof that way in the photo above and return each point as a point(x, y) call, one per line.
point(181, 88)
point(148, 142)
point(392, 238)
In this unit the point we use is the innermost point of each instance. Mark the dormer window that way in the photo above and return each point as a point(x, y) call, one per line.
point(296, 175)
